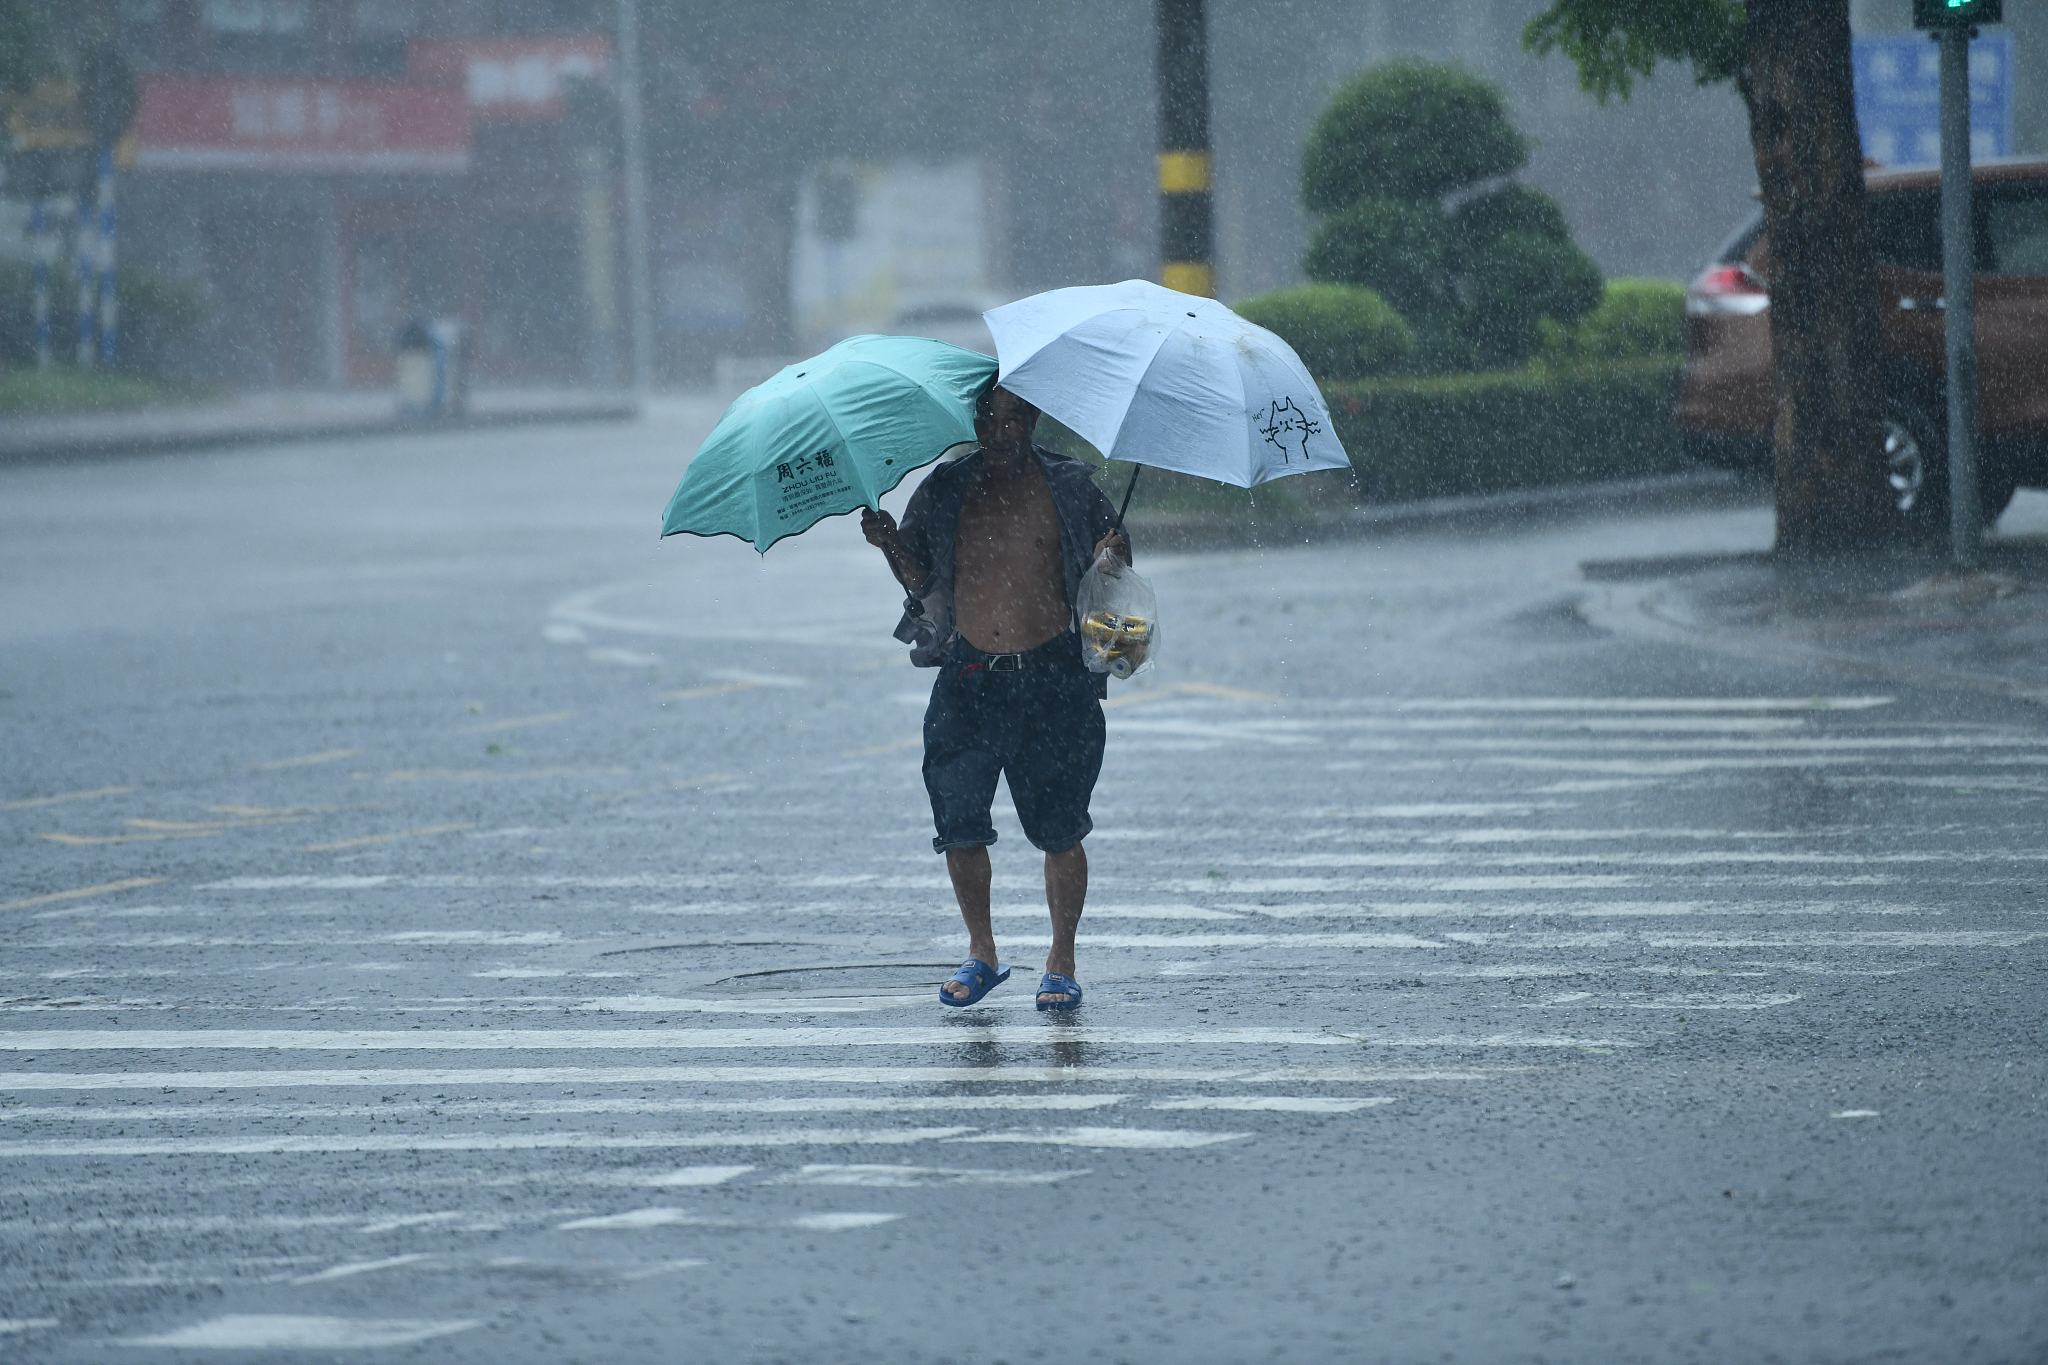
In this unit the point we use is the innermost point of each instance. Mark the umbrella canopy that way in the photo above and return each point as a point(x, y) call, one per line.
point(1157, 377)
point(828, 435)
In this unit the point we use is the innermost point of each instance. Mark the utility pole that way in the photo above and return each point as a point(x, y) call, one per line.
point(632, 134)
point(1954, 24)
point(1186, 227)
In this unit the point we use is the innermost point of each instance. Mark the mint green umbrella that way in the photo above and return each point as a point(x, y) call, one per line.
point(828, 435)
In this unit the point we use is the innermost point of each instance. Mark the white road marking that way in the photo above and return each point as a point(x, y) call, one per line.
point(300, 1143)
point(285, 1332)
point(639, 1219)
point(1571, 910)
point(1119, 1139)
point(348, 1269)
point(682, 1177)
point(1278, 1104)
point(563, 633)
point(1182, 942)
point(809, 1104)
point(625, 658)
point(1601, 704)
point(889, 1177)
point(1633, 858)
point(16, 1326)
point(489, 938)
point(1854, 1114)
point(578, 1039)
point(663, 1268)
point(421, 1220)
point(1670, 1000)
point(1829, 938)
point(686, 1074)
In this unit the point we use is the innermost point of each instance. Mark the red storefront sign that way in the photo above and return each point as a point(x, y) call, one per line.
point(513, 79)
point(209, 124)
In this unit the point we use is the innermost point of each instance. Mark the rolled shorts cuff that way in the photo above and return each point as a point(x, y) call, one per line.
point(1062, 845)
point(942, 844)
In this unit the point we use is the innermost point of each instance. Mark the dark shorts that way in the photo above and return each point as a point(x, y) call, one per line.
point(1040, 727)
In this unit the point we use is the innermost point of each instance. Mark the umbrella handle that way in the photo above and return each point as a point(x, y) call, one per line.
point(1128, 488)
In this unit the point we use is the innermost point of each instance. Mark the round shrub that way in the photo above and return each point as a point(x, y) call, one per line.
point(1408, 129)
point(1634, 318)
point(1400, 249)
point(1516, 283)
point(1510, 208)
point(1340, 331)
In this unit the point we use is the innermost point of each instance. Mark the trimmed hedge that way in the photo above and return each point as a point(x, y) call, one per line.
point(1634, 318)
point(1408, 129)
point(1441, 436)
point(1337, 330)
point(1452, 435)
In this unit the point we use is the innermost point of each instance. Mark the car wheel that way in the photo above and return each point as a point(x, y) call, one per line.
point(1916, 468)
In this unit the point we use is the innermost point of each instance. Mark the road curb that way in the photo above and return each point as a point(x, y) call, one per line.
point(1708, 484)
point(1648, 611)
point(258, 433)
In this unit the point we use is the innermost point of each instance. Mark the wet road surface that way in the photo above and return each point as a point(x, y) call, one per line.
point(442, 923)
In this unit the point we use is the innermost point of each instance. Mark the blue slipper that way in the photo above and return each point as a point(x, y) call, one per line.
point(978, 977)
point(1052, 983)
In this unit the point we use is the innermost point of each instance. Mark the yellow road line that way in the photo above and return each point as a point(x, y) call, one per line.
point(80, 893)
point(484, 774)
point(708, 690)
point(38, 802)
point(1228, 693)
point(496, 727)
point(94, 840)
point(707, 780)
point(304, 760)
point(898, 747)
point(368, 840)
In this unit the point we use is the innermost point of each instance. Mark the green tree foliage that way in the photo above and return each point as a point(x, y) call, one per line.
point(1339, 331)
point(1401, 249)
point(1410, 129)
point(1478, 281)
point(1614, 42)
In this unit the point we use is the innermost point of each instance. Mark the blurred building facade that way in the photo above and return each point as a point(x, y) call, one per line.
point(331, 168)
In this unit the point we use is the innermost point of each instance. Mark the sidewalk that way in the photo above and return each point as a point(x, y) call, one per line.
point(254, 418)
point(1910, 618)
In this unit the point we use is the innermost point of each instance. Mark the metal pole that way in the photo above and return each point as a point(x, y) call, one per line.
point(632, 129)
point(42, 235)
point(84, 254)
point(109, 304)
point(1186, 231)
point(1959, 289)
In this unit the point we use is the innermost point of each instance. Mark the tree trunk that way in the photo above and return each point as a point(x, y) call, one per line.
point(1795, 79)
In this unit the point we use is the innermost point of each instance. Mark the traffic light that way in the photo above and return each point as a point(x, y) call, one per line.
point(1957, 13)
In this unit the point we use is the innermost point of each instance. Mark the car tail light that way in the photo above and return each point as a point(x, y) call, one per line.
point(1726, 290)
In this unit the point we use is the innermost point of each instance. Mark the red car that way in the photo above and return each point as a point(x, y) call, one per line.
point(1726, 405)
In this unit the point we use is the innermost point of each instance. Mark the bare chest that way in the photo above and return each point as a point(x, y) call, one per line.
point(1010, 533)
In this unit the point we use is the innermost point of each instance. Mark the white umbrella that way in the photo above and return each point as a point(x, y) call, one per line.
point(1157, 377)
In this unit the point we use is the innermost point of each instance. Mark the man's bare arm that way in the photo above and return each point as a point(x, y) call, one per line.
point(880, 530)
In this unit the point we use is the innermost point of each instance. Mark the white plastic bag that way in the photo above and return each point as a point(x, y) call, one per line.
point(1119, 618)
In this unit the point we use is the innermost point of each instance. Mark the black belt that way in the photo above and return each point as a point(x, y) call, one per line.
point(1061, 654)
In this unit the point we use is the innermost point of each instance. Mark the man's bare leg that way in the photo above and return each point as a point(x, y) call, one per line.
point(1066, 888)
point(969, 869)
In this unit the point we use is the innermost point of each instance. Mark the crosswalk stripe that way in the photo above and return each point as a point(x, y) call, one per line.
point(1116, 1139)
point(686, 1074)
point(317, 1143)
point(384, 1108)
point(507, 1040)
point(298, 1332)
point(1275, 1104)
point(634, 1220)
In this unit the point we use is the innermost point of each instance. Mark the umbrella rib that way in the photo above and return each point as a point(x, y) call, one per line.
point(1136, 388)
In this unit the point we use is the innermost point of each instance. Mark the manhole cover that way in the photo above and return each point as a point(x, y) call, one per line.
point(838, 979)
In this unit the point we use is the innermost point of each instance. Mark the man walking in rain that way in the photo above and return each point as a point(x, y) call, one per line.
point(991, 551)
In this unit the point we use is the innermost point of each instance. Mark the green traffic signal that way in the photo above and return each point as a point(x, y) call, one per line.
point(1957, 13)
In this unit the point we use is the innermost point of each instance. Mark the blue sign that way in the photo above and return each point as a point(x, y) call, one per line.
point(1898, 97)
